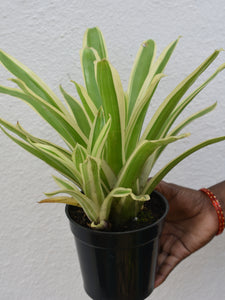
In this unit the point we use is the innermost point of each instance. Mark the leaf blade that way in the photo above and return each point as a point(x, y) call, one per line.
point(162, 173)
point(90, 209)
point(52, 116)
point(178, 110)
point(78, 111)
point(43, 156)
point(140, 70)
point(89, 106)
point(133, 130)
point(93, 38)
point(31, 80)
point(91, 181)
point(132, 169)
point(88, 57)
point(160, 118)
point(114, 105)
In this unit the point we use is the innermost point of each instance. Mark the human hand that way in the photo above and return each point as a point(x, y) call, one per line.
point(190, 224)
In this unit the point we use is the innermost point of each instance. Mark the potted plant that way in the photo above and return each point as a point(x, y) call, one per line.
point(114, 213)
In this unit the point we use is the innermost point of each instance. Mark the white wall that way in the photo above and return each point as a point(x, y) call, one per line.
point(37, 255)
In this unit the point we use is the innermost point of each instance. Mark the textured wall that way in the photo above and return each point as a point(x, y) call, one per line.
point(37, 255)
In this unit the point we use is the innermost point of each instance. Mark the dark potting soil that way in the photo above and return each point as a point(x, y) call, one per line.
point(151, 212)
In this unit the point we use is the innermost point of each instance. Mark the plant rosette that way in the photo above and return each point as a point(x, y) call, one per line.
point(107, 159)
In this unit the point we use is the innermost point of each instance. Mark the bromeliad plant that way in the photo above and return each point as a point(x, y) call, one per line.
point(107, 160)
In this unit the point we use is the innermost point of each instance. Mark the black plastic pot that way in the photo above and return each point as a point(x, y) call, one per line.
point(119, 265)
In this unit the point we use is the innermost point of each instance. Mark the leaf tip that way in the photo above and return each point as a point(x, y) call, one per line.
point(221, 67)
point(220, 50)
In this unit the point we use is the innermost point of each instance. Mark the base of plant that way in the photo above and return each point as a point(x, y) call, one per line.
point(152, 210)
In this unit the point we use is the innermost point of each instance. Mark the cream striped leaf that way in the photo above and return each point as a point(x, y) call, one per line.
point(96, 128)
point(58, 156)
point(50, 114)
point(79, 155)
point(89, 207)
point(89, 106)
point(93, 38)
point(159, 65)
point(64, 184)
point(152, 183)
point(88, 57)
point(140, 70)
point(46, 157)
point(107, 175)
point(160, 118)
point(78, 112)
point(135, 124)
point(180, 107)
point(152, 160)
point(114, 105)
point(91, 180)
point(133, 167)
point(18, 130)
point(31, 80)
point(100, 142)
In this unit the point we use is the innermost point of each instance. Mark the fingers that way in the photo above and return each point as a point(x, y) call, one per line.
point(172, 251)
point(169, 262)
point(169, 190)
point(166, 260)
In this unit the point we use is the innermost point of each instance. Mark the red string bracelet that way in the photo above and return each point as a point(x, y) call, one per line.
point(218, 209)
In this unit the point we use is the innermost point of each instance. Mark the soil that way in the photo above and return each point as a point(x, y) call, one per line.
point(151, 212)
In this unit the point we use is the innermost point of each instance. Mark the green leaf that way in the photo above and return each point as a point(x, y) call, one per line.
point(55, 118)
point(58, 156)
point(114, 105)
point(88, 57)
point(161, 117)
point(159, 65)
point(140, 70)
point(172, 118)
point(79, 155)
point(67, 116)
point(89, 106)
point(164, 57)
point(141, 198)
point(107, 175)
point(100, 141)
point(191, 118)
point(57, 165)
point(118, 192)
point(178, 110)
point(152, 183)
point(64, 184)
point(152, 160)
point(31, 80)
point(89, 207)
point(20, 131)
point(78, 111)
point(135, 124)
point(90, 172)
point(96, 128)
point(133, 167)
point(106, 206)
point(93, 38)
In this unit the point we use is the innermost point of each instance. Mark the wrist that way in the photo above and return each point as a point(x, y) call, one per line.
point(215, 210)
point(219, 191)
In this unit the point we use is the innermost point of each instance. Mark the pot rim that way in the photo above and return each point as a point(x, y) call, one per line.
point(115, 233)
